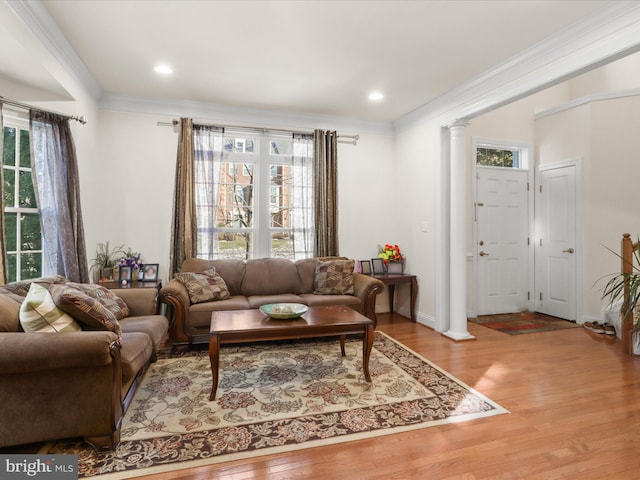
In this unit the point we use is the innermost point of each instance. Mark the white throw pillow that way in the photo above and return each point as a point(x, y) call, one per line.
point(38, 313)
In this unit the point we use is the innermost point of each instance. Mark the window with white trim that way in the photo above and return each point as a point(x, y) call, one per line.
point(254, 194)
point(21, 216)
point(503, 156)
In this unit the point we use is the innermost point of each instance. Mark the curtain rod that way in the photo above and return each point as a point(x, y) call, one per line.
point(82, 119)
point(353, 141)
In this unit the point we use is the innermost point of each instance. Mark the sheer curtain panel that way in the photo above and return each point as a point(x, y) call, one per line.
point(3, 242)
point(55, 179)
point(326, 193)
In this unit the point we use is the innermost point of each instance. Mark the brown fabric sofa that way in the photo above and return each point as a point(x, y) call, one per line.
point(73, 384)
point(256, 282)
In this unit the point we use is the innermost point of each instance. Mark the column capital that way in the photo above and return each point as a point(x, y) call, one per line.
point(461, 122)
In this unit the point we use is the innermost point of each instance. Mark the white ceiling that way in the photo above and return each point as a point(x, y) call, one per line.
point(309, 57)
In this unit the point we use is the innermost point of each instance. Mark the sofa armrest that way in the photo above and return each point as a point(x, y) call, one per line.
point(366, 288)
point(32, 352)
point(141, 301)
point(60, 385)
point(174, 294)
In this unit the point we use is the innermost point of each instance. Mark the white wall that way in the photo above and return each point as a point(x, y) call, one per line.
point(128, 194)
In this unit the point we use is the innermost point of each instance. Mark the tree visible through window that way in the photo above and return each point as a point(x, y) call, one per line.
point(22, 221)
point(253, 195)
point(497, 157)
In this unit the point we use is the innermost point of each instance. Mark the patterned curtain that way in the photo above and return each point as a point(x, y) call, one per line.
point(326, 193)
point(56, 182)
point(183, 238)
point(3, 243)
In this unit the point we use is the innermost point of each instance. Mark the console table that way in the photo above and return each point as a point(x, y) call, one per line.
point(393, 279)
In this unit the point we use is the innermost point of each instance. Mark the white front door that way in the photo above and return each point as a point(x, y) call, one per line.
point(502, 233)
point(556, 278)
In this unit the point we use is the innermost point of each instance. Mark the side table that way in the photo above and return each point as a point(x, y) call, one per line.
point(393, 279)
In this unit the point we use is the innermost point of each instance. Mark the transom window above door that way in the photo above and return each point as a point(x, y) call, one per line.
point(501, 156)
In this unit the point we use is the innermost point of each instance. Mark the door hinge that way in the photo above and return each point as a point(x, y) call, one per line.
point(540, 242)
point(528, 241)
point(528, 295)
point(540, 188)
point(540, 296)
point(527, 186)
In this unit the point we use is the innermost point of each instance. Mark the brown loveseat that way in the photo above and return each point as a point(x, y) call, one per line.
point(73, 383)
point(257, 282)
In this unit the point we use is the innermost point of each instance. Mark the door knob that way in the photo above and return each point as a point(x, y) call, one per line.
point(568, 250)
point(482, 254)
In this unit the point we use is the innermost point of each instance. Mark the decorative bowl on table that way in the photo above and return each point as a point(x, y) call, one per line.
point(284, 311)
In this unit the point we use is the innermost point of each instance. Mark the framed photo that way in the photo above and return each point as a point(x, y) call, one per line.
point(150, 272)
point(124, 274)
point(377, 265)
point(365, 267)
point(395, 267)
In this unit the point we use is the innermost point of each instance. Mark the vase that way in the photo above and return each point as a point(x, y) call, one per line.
point(134, 274)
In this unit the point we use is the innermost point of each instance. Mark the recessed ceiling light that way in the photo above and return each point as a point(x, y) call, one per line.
point(163, 69)
point(376, 96)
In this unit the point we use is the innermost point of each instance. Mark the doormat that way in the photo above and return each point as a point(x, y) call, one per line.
point(524, 322)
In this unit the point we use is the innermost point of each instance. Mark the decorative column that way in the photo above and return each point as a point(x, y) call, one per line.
point(457, 238)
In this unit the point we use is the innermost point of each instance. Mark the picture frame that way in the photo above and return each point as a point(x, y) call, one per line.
point(395, 267)
point(378, 266)
point(124, 274)
point(150, 272)
point(365, 267)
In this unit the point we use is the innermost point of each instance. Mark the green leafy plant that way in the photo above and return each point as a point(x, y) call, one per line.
point(105, 257)
point(614, 289)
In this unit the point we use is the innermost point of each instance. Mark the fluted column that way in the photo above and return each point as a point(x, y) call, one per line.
point(457, 238)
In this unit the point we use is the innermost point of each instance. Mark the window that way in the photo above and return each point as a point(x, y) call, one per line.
point(506, 157)
point(254, 195)
point(22, 220)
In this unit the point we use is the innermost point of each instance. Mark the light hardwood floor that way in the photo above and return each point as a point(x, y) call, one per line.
point(574, 400)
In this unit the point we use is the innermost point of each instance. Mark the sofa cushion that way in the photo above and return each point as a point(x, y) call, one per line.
point(197, 286)
point(106, 297)
point(270, 276)
point(231, 270)
point(217, 284)
point(155, 326)
point(38, 313)
point(9, 314)
point(88, 311)
point(334, 277)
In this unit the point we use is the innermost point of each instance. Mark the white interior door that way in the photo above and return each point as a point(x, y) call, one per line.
point(502, 240)
point(556, 274)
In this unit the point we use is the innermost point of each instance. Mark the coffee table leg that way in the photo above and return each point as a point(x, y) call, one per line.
point(367, 345)
point(342, 350)
point(214, 358)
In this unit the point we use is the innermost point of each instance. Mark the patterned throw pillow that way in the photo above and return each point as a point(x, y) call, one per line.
point(217, 284)
point(88, 311)
point(334, 277)
point(106, 297)
point(38, 313)
point(197, 286)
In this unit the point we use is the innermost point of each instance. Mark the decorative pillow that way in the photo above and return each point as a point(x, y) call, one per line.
point(334, 277)
point(89, 312)
point(38, 313)
point(197, 286)
point(106, 297)
point(217, 284)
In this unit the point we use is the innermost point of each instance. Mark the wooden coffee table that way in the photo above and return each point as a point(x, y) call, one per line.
point(240, 326)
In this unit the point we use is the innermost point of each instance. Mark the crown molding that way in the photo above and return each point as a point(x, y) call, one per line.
point(39, 22)
point(578, 102)
point(232, 114)
point(609, 35)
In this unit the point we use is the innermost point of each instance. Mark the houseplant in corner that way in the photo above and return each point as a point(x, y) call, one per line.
point(622, 292)
point(106, 262)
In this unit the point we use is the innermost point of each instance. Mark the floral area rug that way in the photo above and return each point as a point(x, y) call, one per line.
point(524, 322)
point(276, 397)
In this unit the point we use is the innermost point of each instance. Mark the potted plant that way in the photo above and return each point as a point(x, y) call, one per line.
point(622, 292)
point(133, 260)
point(106, 262)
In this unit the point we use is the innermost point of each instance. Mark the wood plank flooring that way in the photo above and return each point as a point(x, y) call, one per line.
point(574, 400)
